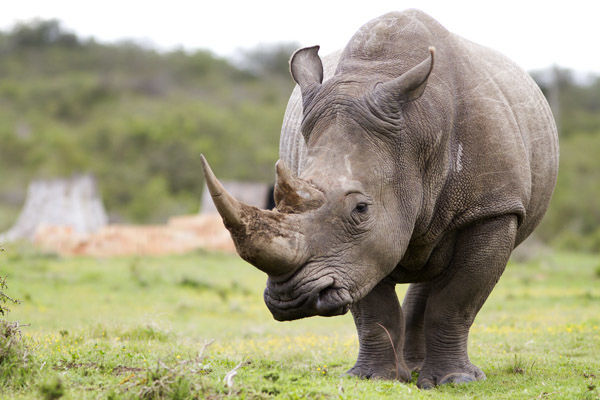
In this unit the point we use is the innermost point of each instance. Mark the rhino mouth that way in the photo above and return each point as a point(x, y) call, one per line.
point(322, 297)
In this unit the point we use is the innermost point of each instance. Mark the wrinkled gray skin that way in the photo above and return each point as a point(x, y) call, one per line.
point(412, 165)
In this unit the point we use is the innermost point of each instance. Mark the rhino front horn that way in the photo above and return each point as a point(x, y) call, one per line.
point(269, 240)
point(229, 208)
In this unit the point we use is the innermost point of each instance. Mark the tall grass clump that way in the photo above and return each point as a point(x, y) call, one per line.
point(184, 380)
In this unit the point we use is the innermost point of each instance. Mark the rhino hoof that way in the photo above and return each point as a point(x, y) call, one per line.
point(457, 377)
point(429, 379)
point(369, 372)
point(425, 384)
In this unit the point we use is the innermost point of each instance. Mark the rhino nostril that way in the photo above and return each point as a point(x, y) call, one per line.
point(330, 302)
point(327, 297)
point(326, 293)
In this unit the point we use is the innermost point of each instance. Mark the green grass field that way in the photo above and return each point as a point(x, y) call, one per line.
point(140, 328)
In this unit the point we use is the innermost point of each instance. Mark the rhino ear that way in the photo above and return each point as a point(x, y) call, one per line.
point(306, 68)
point(407, 87)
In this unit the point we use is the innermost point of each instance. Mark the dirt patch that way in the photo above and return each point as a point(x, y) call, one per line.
point(180, 235)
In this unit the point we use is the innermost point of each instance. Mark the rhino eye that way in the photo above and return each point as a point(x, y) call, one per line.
point(362, 207)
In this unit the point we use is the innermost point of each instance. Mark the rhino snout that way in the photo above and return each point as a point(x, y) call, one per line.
point(321, 297)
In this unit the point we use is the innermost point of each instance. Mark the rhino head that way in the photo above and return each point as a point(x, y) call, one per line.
point(345, 223)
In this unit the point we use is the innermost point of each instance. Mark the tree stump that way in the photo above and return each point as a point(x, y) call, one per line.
point(72, 203)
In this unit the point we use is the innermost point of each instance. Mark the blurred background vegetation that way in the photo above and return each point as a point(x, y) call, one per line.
point(138, 119)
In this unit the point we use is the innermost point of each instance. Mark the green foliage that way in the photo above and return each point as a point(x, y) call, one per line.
point(269, 60)
point(573, 220)
point(40, 33)
point(135, 118)
point(575, 100)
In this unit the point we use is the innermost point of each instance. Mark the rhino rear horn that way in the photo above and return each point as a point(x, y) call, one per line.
point(294, 195)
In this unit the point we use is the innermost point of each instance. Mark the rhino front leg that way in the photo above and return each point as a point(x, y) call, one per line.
point(413, 306)
point(380, 326)
point(481, 253)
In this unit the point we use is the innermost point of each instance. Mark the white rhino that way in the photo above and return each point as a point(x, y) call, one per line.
point(424, 158)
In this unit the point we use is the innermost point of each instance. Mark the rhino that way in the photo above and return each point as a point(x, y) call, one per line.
point(412, 156)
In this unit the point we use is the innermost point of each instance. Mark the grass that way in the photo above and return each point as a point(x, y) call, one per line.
point(174, 327)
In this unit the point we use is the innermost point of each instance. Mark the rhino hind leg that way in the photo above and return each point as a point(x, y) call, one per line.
point(379, 322)
point(481, 253)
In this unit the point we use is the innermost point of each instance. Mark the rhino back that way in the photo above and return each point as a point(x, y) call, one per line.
point(507, 133)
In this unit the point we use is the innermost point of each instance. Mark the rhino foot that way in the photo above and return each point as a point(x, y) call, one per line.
point(428, 379)
point(388, 372)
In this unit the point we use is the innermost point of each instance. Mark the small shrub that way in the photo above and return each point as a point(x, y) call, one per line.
point(15, 357)
point(4, 298)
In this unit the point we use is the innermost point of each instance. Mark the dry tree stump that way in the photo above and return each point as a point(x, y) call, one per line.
point(73, 203)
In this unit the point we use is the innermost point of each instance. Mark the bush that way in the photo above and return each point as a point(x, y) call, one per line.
point(15, 356)
point(4, 298)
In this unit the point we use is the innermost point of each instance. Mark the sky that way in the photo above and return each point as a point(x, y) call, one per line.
point(536, 34)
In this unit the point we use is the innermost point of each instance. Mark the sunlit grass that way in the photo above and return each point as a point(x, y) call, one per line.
point(109, 328)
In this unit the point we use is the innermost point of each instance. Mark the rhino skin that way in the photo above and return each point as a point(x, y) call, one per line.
point(412, 156)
